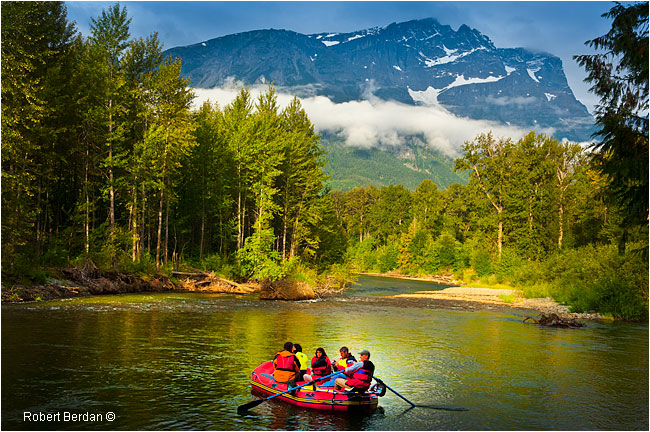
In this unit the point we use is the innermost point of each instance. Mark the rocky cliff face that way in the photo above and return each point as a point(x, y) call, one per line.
point(415, 62)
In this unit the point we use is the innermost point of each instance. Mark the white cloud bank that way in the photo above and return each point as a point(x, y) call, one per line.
point(375, 122)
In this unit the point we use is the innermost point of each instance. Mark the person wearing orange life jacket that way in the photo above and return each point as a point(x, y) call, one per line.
point(286, 366)
point(359, 375)
point(320, 365)
point(346, 359)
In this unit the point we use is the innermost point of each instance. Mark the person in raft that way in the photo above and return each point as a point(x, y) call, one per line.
point(286, 366)
point(346, 359)
point(320, 365)
point(302, 359)
point(359, 375)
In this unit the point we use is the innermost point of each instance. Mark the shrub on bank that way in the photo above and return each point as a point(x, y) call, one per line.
point(591, 278)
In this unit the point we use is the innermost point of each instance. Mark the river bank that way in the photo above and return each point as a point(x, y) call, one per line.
point(458, 294)
point(89, 281)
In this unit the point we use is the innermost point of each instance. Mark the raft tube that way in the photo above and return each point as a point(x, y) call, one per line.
point(310, 396)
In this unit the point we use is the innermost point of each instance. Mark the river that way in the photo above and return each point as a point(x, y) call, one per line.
point(183, 361)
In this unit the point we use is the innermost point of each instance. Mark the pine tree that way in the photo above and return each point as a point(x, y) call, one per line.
point(168, 140)
point(35, 40)
point(108, 43)
point(619, 76)
point(301, 179)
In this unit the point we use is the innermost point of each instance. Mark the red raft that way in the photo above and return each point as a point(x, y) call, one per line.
point(310, 396)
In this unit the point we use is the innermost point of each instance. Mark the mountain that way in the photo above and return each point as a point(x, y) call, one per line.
point(415, 62)
point(408, 165)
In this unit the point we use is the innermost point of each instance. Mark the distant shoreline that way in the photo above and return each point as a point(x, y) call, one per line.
point(440, 279)
point(456, 293)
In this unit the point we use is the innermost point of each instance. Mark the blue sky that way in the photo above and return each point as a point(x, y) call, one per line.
point(560, 28)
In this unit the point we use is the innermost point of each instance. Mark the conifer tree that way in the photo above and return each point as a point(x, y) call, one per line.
point(36, 38)
point(108, 43)
point(619, 77)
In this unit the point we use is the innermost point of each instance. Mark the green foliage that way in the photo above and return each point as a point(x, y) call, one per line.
point(362, 256)
point(619, 77)
point(507, 265)
point(387, 259)
point(445, 248)
point(351, 167)
point(258, 259)
point(591, 278)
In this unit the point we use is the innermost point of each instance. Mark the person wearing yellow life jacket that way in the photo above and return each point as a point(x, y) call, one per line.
point(286, 366)
point(346, 359)
point(358, 375)
point(302, 359)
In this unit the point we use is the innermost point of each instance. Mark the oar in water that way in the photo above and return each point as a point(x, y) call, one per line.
point(420, 406)
point(249, 405)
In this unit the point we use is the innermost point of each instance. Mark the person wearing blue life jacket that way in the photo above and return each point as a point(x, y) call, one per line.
point(358, 375)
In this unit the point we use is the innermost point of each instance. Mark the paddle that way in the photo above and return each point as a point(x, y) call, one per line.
point(249, 405)
point(421, 406)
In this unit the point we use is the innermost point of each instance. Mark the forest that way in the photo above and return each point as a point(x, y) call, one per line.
point(105, 160)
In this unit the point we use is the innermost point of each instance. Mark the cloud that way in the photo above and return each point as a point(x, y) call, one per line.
point(507, 100)
point(375, 122)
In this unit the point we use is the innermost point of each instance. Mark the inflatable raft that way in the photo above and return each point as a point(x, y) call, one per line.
point(313, 396)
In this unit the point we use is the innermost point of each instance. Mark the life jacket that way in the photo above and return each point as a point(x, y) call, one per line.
point(362, 378)
point(285, 368)
point(321, 370)
point(302, 359)
point(342, 363)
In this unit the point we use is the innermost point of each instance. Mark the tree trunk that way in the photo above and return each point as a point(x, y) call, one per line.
point(166, 227)
point(284, 222)
point(240, 220)
point(561, 219)
point(202, 224)
point(110, 170)
point(87, 212)
point(142, 224)
point(134, 223)
point(500, 236)
point(160, 212)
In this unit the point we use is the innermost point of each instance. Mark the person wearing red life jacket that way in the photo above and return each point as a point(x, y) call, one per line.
point(320, 365)
point(358, 375)
point(286, 366)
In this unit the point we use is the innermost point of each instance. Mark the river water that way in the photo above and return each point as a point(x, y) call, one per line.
point(183, 361)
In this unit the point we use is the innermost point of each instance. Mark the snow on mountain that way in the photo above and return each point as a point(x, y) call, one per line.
point(416, 62)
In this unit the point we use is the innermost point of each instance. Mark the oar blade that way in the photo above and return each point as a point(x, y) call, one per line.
point(243, 408)
point(443, 408)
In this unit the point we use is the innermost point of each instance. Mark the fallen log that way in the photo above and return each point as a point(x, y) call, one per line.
point(554, 320)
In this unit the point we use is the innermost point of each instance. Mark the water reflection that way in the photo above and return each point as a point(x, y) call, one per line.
point(183, 361)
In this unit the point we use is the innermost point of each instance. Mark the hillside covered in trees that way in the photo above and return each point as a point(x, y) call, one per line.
point(104, 161)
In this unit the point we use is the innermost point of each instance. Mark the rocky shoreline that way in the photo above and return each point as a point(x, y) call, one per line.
point(499, 297)
point(459, 294)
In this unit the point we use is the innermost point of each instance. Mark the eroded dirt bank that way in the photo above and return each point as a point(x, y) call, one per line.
point(88, 280)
